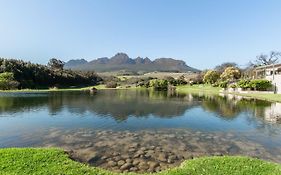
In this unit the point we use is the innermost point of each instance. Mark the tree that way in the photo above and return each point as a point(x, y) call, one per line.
point(272, 58)
point(7, 81)
point(211, 77)
point(159, 84)
point(181, 80)
point(220, 68)
point(30, 75)
point(56, 64)
point(230, 74)
point(170, 80)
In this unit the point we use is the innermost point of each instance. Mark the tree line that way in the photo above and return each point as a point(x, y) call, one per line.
point(19, 74)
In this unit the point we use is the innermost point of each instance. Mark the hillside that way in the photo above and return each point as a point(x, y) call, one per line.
point(122, 61)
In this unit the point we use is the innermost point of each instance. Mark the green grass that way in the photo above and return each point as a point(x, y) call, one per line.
point(208, 89)
point(34, 161)
point(268, 97)
point(101, 86)
point(45, 90)
point(198, 88)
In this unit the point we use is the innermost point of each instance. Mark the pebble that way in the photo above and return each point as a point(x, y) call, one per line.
point(126, 166)
point(162, 157)
point(112, 163)
point(150, 151)
point(121, 162)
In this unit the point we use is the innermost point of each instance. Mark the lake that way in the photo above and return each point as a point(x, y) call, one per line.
point(141, 130)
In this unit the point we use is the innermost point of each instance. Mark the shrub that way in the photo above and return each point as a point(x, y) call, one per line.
point(7, 81)
point(244, 84)
point(159, 84)
point(111, 84)
point(223, 84)
point(231, 73)
point(211, 77)
point(260, 84)
point(171, 80)
point(233, 85)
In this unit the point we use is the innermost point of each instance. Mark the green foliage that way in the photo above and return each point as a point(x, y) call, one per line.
point(56, 64)
point(36, 76)
point(211, 77)
point(220, 68)
point(24, 161)
point(7, 76)
point(230, 74)
point(260, 84)
point(233, 85)
point(159, 84)
point(181, 80)
point(244, 84)
point(111, 84)
point(221, 84)
point(7, 81)
point(171, 80)
point(175, 82)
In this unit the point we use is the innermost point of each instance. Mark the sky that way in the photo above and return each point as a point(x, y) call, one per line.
point(204, 33)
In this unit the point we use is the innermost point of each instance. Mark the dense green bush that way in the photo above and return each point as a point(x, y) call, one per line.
point(181, 80)
point(144, 82)
point(211, 77)
point(260, 84)
point(159, 84)
point(222, 84)
point(233, 85)
point(244, 84)
point(31, 75)
point(230, 74)
point(171, 80)
point(7, 81)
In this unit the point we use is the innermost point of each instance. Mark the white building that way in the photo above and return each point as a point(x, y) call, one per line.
point(271, 73)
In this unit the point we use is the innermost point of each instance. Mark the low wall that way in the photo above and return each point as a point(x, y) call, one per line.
point(239, 90)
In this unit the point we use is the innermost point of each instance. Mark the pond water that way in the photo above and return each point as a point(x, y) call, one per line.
point(139, 130)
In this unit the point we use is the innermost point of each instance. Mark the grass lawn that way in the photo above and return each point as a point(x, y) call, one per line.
point(269, 97)
point(101, 86)
point(198, 88)
point(208, 89)
point(215, 90)
point(55, 161)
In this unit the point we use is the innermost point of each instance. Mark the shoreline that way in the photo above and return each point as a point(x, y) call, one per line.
point(181, 89)
point(57, 161)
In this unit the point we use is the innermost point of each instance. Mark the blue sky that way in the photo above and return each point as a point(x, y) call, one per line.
point(202, 33)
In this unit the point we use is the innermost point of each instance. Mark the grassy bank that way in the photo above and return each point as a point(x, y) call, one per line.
point(100, 87)
point(268, 97)
point(216, 90)
point(55, 161)
point(207, 89)
point(198, 88)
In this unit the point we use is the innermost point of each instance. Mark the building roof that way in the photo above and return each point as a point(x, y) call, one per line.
point(269, 66)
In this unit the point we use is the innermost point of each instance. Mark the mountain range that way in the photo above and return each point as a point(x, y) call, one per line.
point(121, 61)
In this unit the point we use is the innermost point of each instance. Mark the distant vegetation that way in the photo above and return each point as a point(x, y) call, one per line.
point(138, 72)
point(229, 75)
point(20, 74)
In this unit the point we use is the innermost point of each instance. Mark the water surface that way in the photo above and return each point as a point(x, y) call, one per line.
point(139, 130)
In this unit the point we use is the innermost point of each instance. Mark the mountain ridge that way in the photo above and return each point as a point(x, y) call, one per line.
point(121, 61)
